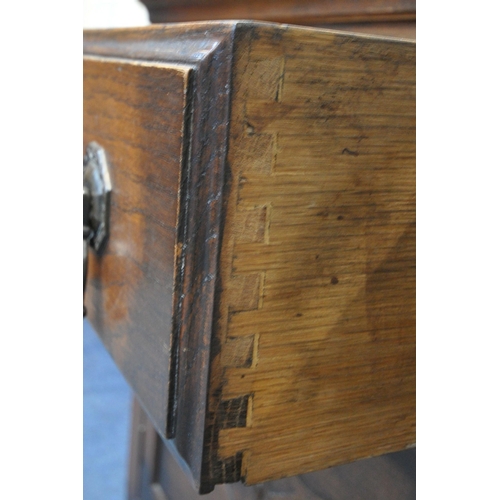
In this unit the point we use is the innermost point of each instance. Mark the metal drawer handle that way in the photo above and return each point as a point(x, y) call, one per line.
point(96, 203)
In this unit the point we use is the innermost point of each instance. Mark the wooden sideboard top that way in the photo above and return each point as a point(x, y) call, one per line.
point(282, 11)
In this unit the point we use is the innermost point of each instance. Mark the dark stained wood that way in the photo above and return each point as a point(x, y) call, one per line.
point(388, 477)
point(395, 18)
point(317, 257)
point(312, 12)
point(206, 50)
point(136, 111)
point(262, 247)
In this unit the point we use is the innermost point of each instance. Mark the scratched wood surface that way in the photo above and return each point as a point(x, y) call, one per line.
point(316, 325)
point(131, 285)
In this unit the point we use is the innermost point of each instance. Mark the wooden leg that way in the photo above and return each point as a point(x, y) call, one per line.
point(144, 462)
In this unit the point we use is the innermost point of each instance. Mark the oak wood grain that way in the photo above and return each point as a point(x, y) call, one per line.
point(320, 220)
point(258, 288)
point(388, 477)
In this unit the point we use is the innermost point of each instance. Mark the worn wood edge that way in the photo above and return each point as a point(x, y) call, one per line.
point(180, 262)
point(232, 412)
point(202, 188)
point(205, 49)
point(138, 43)
point(179, 67)
point(187, 43)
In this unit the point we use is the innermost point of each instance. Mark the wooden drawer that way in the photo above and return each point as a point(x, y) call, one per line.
point(258, 286)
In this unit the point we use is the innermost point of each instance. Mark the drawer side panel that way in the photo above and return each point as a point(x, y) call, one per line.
point(317, 310)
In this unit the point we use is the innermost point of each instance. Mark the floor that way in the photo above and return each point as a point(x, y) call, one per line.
point(106, 421)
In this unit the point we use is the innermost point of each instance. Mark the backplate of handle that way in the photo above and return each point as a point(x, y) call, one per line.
point(96, 203)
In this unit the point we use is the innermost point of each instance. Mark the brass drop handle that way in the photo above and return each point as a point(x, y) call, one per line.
point(96, 203)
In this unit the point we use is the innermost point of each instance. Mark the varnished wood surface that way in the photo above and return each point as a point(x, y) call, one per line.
point(388, 477)
point(135, 111)
point(313, 12)
point(317, 303)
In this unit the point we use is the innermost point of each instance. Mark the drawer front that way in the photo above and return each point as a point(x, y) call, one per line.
point(137, 112)
point(157, 101)
point(258, 286)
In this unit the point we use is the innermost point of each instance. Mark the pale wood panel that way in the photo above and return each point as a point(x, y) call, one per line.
point(319, 249)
